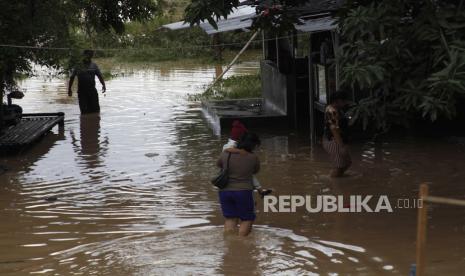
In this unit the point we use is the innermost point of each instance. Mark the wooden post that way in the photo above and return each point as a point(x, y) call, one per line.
point(216, 40)
point(2, 92)
point(335, 37)
point(311, 90)
point(276, 44)
point(421, 230)
point(295, 44)
point(263, 45)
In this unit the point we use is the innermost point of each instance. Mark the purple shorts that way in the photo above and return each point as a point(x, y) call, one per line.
point(238, 204)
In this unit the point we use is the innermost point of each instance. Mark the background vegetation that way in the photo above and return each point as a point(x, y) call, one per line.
point(407, 57)
point(148, 41)
point(234, 87)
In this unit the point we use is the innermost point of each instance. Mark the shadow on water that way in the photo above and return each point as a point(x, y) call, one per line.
point(27, 156)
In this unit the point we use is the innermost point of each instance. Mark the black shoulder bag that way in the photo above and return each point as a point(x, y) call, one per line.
point(221, 181)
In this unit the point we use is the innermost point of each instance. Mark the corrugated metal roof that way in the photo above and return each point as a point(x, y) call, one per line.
point(317, 24)
point(177, 25)
point(317, 6)
point(241, 18)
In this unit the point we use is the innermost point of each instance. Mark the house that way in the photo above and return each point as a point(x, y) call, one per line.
point(299, 70)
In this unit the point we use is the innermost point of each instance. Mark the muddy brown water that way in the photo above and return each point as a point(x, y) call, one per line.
point(133, 196)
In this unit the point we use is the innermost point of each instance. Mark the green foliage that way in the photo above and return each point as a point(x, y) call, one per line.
point(104, 15)
point(30, 23)
point(234, 87)
point(147, 41)
point(406, 58)
point(277, 16)
point(55, 23)
point(209, 10)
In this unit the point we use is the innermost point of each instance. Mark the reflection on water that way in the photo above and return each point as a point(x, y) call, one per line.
point(206, 250)
point(133, 195)
point(90, 147)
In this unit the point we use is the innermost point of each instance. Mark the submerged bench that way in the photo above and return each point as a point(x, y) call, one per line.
point(31, 128)
point(221, 113)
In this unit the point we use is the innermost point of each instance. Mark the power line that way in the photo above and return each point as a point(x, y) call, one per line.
point(143, 48)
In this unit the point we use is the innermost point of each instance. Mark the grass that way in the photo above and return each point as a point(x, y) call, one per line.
point(152, 55)
point(235, 87)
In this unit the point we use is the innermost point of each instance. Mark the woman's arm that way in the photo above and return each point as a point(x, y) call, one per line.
point(337, 134)
point(257, 165)
point(332, 115)
point(219, 162)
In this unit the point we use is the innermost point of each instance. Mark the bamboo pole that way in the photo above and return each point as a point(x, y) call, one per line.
point(444, 200)
point(421, 230)
point(233, 61)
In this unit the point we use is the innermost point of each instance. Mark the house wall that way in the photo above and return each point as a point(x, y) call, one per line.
point(274, 88)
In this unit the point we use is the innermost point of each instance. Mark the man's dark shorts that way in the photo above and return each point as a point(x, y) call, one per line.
point(88, 101)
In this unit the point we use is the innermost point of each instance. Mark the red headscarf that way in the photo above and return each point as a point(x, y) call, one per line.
point(238, 129)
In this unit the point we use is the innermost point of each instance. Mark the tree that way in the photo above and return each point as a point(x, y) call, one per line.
point(52, 23)
point(405, 57)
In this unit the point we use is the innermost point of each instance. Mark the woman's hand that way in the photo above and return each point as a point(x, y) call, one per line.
point(236, 150)
point(263, 192)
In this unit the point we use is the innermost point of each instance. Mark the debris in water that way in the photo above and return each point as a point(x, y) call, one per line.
point(51, 198)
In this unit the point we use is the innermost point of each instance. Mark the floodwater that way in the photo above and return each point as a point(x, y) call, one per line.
point(133, 195)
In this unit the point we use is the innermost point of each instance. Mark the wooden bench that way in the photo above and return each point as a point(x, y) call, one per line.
point(31, 128)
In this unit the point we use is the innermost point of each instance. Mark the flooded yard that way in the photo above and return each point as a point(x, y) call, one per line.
point(133, 195)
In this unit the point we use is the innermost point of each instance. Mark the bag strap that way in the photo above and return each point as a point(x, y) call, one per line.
point(227, 162)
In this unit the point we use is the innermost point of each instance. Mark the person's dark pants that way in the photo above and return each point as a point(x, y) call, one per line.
point(238, 204)
point(88, 101)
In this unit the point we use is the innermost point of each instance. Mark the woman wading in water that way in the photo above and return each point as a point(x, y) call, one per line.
point(237, 201)
point(335, 134)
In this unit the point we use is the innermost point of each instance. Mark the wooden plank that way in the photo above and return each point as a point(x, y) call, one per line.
point(31, 128)
point(29, 115)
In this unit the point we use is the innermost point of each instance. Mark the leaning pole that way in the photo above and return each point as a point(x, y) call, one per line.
point(233, 61)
